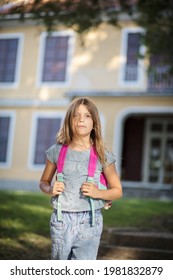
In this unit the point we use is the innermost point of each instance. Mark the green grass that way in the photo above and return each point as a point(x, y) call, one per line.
point(24, 225)
point(144, 214)
point(24, 221)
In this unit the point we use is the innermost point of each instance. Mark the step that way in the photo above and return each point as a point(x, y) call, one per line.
point(108, 252)
point(138, 239)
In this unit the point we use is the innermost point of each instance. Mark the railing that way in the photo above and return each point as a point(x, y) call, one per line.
point(160, 79)
point(131, 73)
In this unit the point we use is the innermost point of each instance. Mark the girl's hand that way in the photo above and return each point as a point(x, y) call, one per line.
point(57, 188)
point(90, 189)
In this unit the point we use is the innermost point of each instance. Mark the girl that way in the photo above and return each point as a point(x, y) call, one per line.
point(74, 236)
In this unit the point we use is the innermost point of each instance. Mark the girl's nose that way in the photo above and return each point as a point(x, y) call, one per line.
point(81, 118)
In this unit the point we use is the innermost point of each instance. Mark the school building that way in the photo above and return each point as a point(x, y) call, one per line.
point(39, 76)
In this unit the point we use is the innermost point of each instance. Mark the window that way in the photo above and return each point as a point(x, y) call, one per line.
point(6, 137)
point(10, 53)
point(46, 131)
point(131, 67)
point(54, 58)
point(45, 126)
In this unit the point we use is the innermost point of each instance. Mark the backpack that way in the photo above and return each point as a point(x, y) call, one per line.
point(91, 170)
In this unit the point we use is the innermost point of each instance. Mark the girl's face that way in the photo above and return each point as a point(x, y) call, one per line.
point(82, 121)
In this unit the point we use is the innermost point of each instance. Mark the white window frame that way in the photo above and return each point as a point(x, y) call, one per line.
point(70, 51)
point(19, 55)
point(10, 141)
point(123, 59)
point(34, 126)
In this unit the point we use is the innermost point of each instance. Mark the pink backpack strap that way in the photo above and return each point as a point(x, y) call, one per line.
point(92, 166)
point(92, 162)
point(61, 158)
point(103, 180)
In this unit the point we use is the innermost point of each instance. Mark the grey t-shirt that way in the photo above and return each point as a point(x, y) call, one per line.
point(75, 173)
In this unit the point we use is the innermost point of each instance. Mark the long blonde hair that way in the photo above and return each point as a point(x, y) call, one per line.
point(65, 135)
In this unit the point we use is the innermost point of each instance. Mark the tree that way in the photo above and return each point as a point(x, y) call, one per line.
point(155, 16)
point(80, 15)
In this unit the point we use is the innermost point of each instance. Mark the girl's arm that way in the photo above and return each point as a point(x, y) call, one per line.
point(112, 193)
point(115, 189)
point(46, 179)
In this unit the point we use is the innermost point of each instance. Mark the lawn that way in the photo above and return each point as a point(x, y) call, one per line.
point(24, 221)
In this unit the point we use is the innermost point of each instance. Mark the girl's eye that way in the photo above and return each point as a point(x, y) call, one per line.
point(76, 115)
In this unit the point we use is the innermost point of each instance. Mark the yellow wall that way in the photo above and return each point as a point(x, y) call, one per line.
point(95, 67)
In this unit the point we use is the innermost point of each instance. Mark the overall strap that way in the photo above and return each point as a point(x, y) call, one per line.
point(91, 170)
point(60, 166)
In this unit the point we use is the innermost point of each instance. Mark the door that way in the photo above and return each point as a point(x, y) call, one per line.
point(158, 157)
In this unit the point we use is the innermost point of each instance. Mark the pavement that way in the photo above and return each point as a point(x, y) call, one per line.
point(132, 244)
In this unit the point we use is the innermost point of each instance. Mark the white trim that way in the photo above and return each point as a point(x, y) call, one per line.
point(123, 58)
point(70, 50)
point(34, 125)
point(10, 143)
point(34, 102)
point(119, 125)
point(19, 55)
